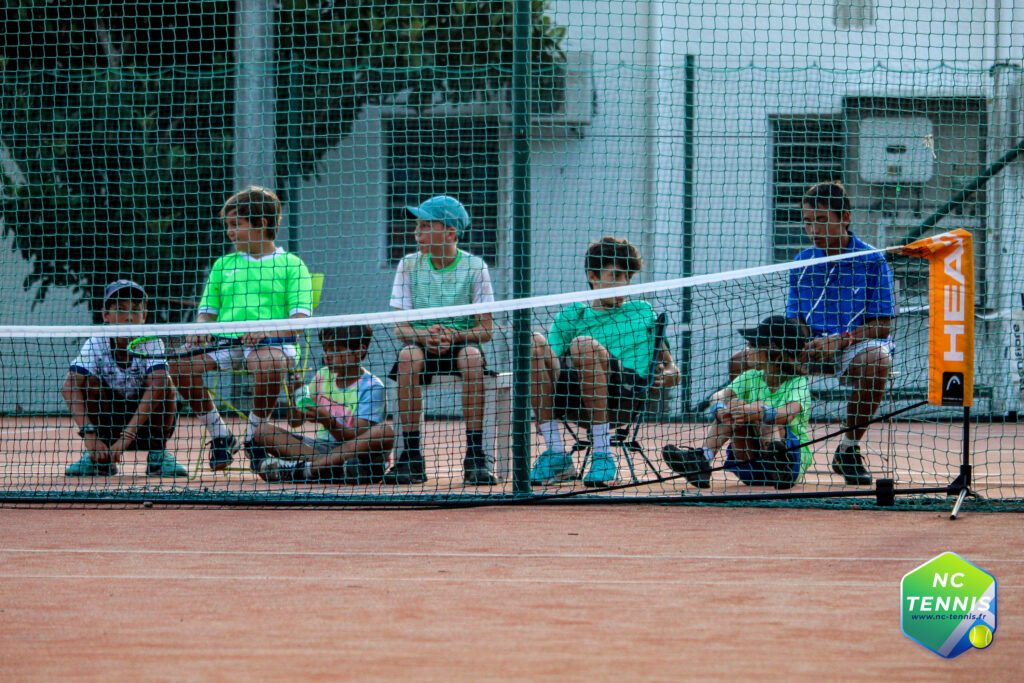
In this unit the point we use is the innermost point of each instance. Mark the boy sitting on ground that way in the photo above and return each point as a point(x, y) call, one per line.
point(594, 365)
point(347, 403)
point(763, 412)
point(121, 402)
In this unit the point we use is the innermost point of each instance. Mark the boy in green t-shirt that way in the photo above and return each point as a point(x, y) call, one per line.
point(258, 281)
point(594, 363)
point(763, 412)
point(441, 274)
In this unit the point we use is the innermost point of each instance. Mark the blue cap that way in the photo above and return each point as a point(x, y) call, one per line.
point(448, 210)
point(124, 289)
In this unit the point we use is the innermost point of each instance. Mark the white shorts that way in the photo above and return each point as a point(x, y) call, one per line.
point(846, 356)
point(234, 357)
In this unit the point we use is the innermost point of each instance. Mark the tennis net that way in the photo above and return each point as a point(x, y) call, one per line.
point(371, 410)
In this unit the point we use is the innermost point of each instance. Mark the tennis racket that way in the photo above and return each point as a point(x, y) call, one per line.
point(138, 348)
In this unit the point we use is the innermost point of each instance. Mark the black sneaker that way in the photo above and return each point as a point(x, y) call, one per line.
point(849, 463)
point(777, 464)
point(476, 473)
point(402, 473)
point(257, 454)
point(222, 450)
point(690, 463)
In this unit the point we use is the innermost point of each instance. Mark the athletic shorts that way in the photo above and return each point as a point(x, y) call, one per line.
point(624, 387)
point(753, 472)
point(841, 363)
point(434, 366)
point(361, 470)
point(234, 357)
point(110, 423)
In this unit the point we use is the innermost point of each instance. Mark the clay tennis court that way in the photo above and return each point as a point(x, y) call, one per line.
point(35, 450)
point(597, 593)
point(650, 592)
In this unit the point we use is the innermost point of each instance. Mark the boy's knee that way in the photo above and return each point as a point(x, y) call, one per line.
point(470, 360)
point(586, 350)
point(411, 354)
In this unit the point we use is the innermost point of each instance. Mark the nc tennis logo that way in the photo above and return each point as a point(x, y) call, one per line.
point(949, 605)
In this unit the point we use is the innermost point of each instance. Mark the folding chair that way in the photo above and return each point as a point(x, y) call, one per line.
point(624, 438)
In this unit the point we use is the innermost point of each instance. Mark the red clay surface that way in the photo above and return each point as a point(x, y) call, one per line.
point(595, 593)
point(35, 451)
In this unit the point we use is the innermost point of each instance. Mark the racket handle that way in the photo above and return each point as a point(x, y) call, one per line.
point(303, 399)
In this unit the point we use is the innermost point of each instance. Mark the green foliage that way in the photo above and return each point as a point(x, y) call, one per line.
point(117, 117)
point(337, 57)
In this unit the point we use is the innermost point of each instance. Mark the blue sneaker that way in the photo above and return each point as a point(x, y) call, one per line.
point(603, 470)
point(161, 463)
point(552, 466)
point(222, 449)
point(85, 467)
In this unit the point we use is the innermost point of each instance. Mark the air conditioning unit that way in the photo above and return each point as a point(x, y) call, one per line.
point(567, 97)
point(896, 150)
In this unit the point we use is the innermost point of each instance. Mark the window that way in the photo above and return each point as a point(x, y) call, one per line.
point(854, 14)
point(805, 151)
point(460, 157)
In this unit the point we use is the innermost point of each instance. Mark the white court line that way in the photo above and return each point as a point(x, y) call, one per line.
point(453, 578)
point(542, 556)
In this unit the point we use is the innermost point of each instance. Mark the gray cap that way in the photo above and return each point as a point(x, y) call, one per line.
point(124, 289)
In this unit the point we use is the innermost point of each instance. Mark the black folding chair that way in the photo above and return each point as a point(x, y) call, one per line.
point(624, 438)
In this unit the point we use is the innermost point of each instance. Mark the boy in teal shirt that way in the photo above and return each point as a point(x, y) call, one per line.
point(441, 274)
point(762, 412)
point(594, 363)
point(258, 281)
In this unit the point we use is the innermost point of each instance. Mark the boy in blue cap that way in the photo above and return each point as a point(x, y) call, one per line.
point(441, 274)
point(121, 402)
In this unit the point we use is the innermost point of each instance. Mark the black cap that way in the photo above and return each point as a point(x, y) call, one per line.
point(124, 289)
point(777, 332)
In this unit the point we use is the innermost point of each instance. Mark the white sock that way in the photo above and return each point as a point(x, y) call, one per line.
point(214, 424)
point(847, 442)
point(709, 454)
point(552, 437)
point(254, 424)
point(602, 438)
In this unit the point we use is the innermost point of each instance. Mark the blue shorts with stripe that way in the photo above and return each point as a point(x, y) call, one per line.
point(753, 472)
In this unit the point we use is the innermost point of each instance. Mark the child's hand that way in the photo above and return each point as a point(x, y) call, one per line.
point(194, 341)
point(746, 413)
point(253, 338)
point(824, 349)
point(439, 340)
point(95, 446)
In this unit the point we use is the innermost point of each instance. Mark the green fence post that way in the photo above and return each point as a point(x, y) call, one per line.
point(521, 244)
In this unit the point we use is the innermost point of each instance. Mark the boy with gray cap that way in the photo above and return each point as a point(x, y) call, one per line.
point(441, 274)
point(121, 402)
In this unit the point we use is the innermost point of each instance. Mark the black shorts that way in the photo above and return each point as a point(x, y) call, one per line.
point(362, 470)
point(358, 471)
point(434, 366)
point(119, 412)
point(625, 387)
